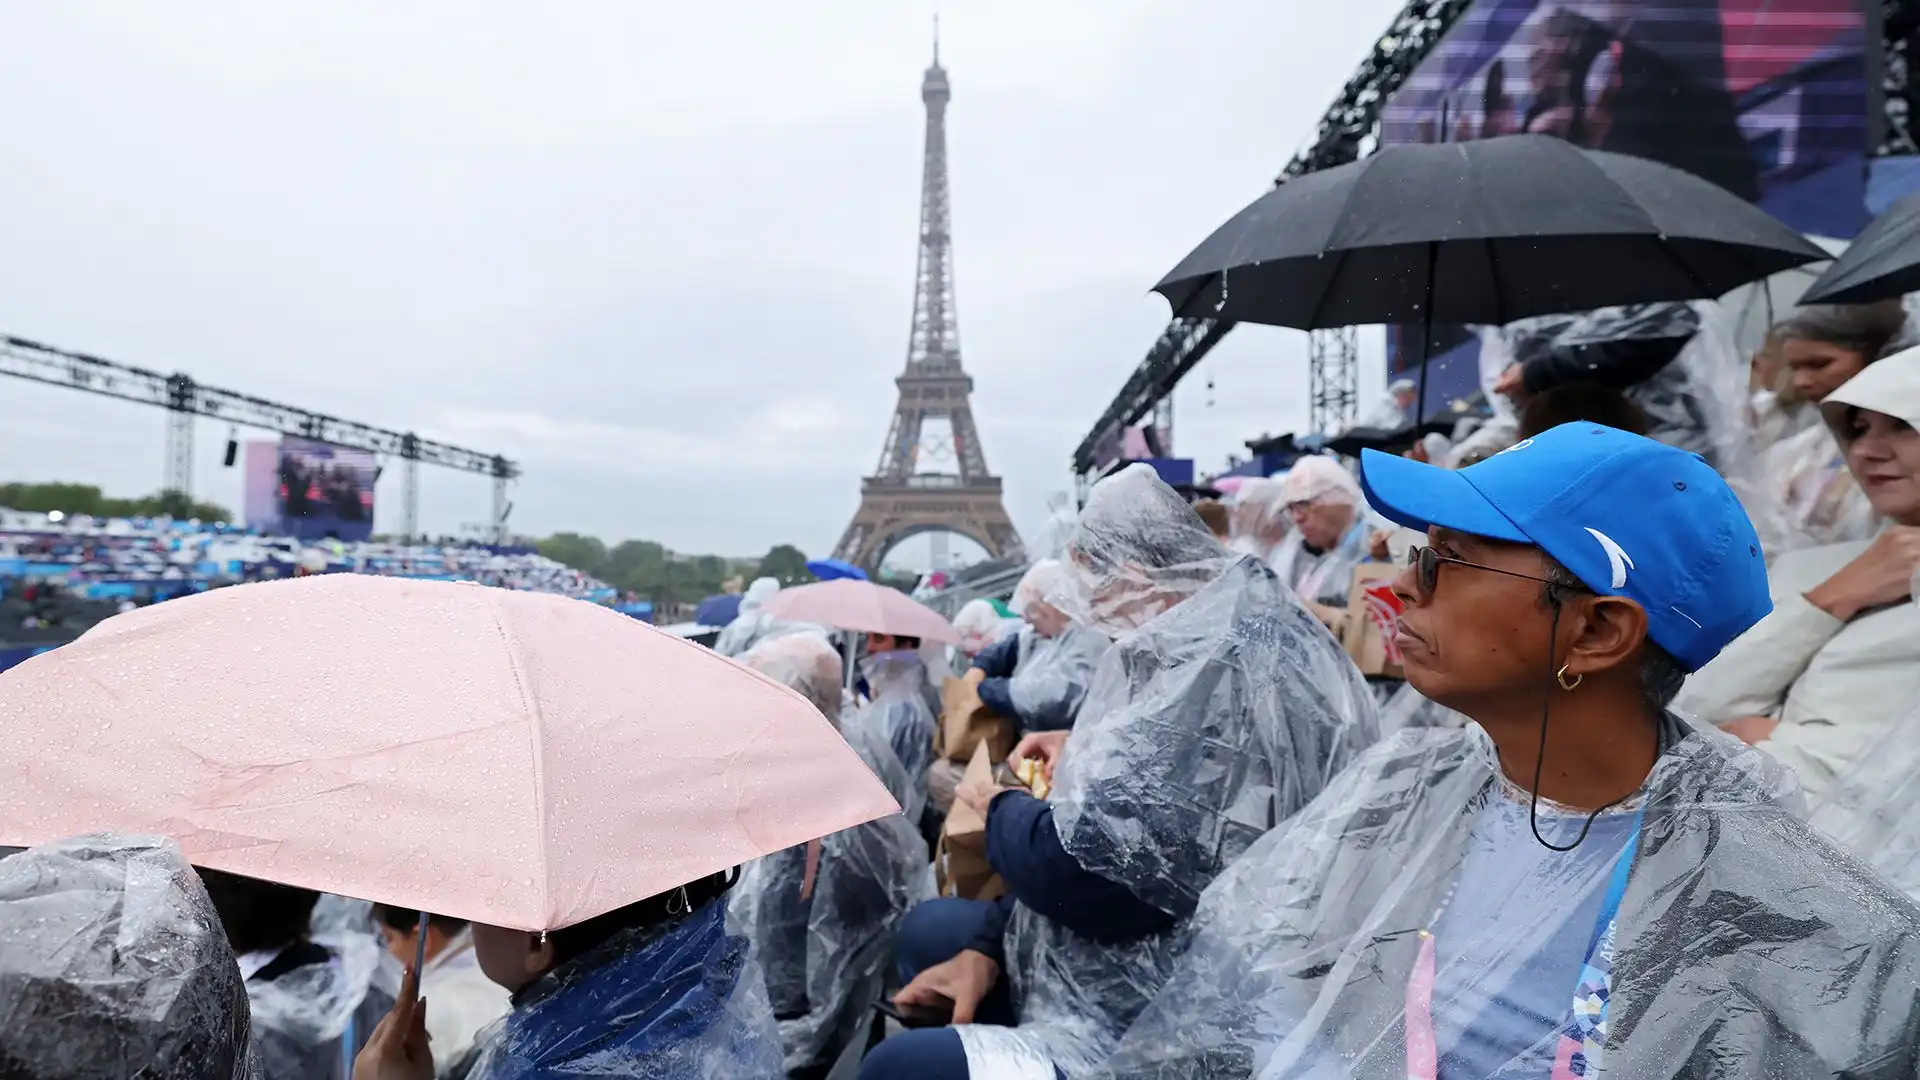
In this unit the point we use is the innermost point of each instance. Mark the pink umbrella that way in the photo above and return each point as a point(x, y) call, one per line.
point(512, 758)
point(1228, 485)
point(847, 604)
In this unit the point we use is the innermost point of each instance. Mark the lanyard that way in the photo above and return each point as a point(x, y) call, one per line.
point(1583, 1036)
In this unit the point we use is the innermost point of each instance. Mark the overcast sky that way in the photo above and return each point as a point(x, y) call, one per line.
point(662, 254)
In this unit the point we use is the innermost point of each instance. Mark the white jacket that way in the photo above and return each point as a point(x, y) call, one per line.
point(1835, 687)
point(461, 1001)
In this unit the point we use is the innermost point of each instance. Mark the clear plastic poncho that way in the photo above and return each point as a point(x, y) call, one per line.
point(1051, 678)
point(826, 955)
point(113, 964)
point(1747, 947)
point(682, 1001)
point(980, 625)
point(308, 1023)
point(1873, 809)
point(1325, 577)
point(751, 624)
point(897, 711)
point(1222, 708)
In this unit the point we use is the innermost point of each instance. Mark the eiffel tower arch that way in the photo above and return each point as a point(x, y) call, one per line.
point(932, 474)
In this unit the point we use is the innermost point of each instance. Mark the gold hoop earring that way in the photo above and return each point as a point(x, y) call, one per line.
point(1561, 678)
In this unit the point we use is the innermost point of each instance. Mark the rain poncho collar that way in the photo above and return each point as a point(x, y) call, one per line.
point(1202, 729)
point(113, 964)
point(1746, 946)
point(675, 1002)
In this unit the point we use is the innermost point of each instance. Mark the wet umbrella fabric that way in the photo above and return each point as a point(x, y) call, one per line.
point(1478, 232)
point(511, 758)
point(1882, 262)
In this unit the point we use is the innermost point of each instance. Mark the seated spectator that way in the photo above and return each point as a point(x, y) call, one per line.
point(311, 1007)
point(1330, 532)
point(823, 917)
point(1573, 402)
point(897, 710)
point(1221, 708)
point(1037, 675)
point(1837, 664)
point(1577, 884)
point(113, 964)
point(658, 989)
point(465, 1001)
point(1823, 347)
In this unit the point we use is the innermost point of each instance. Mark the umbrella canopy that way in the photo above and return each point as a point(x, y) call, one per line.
point(861, 605)
point(835, 570)
point(1882, 262)
point(1482, 232)
point(718, 610)
point(512, 758)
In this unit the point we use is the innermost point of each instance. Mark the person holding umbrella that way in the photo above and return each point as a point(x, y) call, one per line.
point(1578, 883)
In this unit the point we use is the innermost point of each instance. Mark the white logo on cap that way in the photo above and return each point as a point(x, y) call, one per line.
point(1620, 561)
point(1521, 445)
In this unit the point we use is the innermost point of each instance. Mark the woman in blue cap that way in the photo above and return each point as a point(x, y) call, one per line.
point(1578, 883)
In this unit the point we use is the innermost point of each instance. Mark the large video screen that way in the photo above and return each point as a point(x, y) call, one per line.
point(324, 490)
point(1767, 98)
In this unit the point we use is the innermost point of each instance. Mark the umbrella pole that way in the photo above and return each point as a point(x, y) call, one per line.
point(846, 654)
point(1426, 340)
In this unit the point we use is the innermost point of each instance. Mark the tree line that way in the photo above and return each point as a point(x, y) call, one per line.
point(651, 572)
point(88, 499)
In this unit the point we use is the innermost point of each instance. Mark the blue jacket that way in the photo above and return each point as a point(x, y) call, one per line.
point(666, 1004)
point(999, 661)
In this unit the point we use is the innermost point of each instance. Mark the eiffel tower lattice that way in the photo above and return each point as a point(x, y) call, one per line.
point(932, 474)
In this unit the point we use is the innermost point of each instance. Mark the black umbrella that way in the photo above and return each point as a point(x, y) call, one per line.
point(1479, 232)
point(1882, 262)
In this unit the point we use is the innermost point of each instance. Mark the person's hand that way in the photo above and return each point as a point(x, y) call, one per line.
point(397, 1049)
point(1751, 730)
point(975, 676)
point(963, 982)
point(1377, 545)
point(1510, 383)
point(1883, 574)
point(979, 794)
point(1043, 747)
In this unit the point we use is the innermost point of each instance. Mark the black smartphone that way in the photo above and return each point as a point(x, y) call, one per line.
point(915, 1016)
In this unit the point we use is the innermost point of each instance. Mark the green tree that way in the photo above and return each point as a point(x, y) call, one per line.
point(785, 564)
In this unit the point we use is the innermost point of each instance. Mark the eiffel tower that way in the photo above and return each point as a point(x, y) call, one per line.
point(932, 474)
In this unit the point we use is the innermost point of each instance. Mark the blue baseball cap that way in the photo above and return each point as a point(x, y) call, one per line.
point(1626, 515)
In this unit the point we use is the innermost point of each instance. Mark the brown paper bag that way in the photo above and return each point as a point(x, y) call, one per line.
point(1371, 609)
point(965, 723)
point(960, 864)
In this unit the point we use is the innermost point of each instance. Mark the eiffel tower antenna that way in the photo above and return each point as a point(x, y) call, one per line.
point(932, 475)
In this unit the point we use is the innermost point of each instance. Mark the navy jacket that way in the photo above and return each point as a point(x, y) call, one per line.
point(1024, 847)
point(998, 661)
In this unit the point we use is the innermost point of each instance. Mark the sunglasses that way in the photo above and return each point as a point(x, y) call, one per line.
point(1426, 570)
